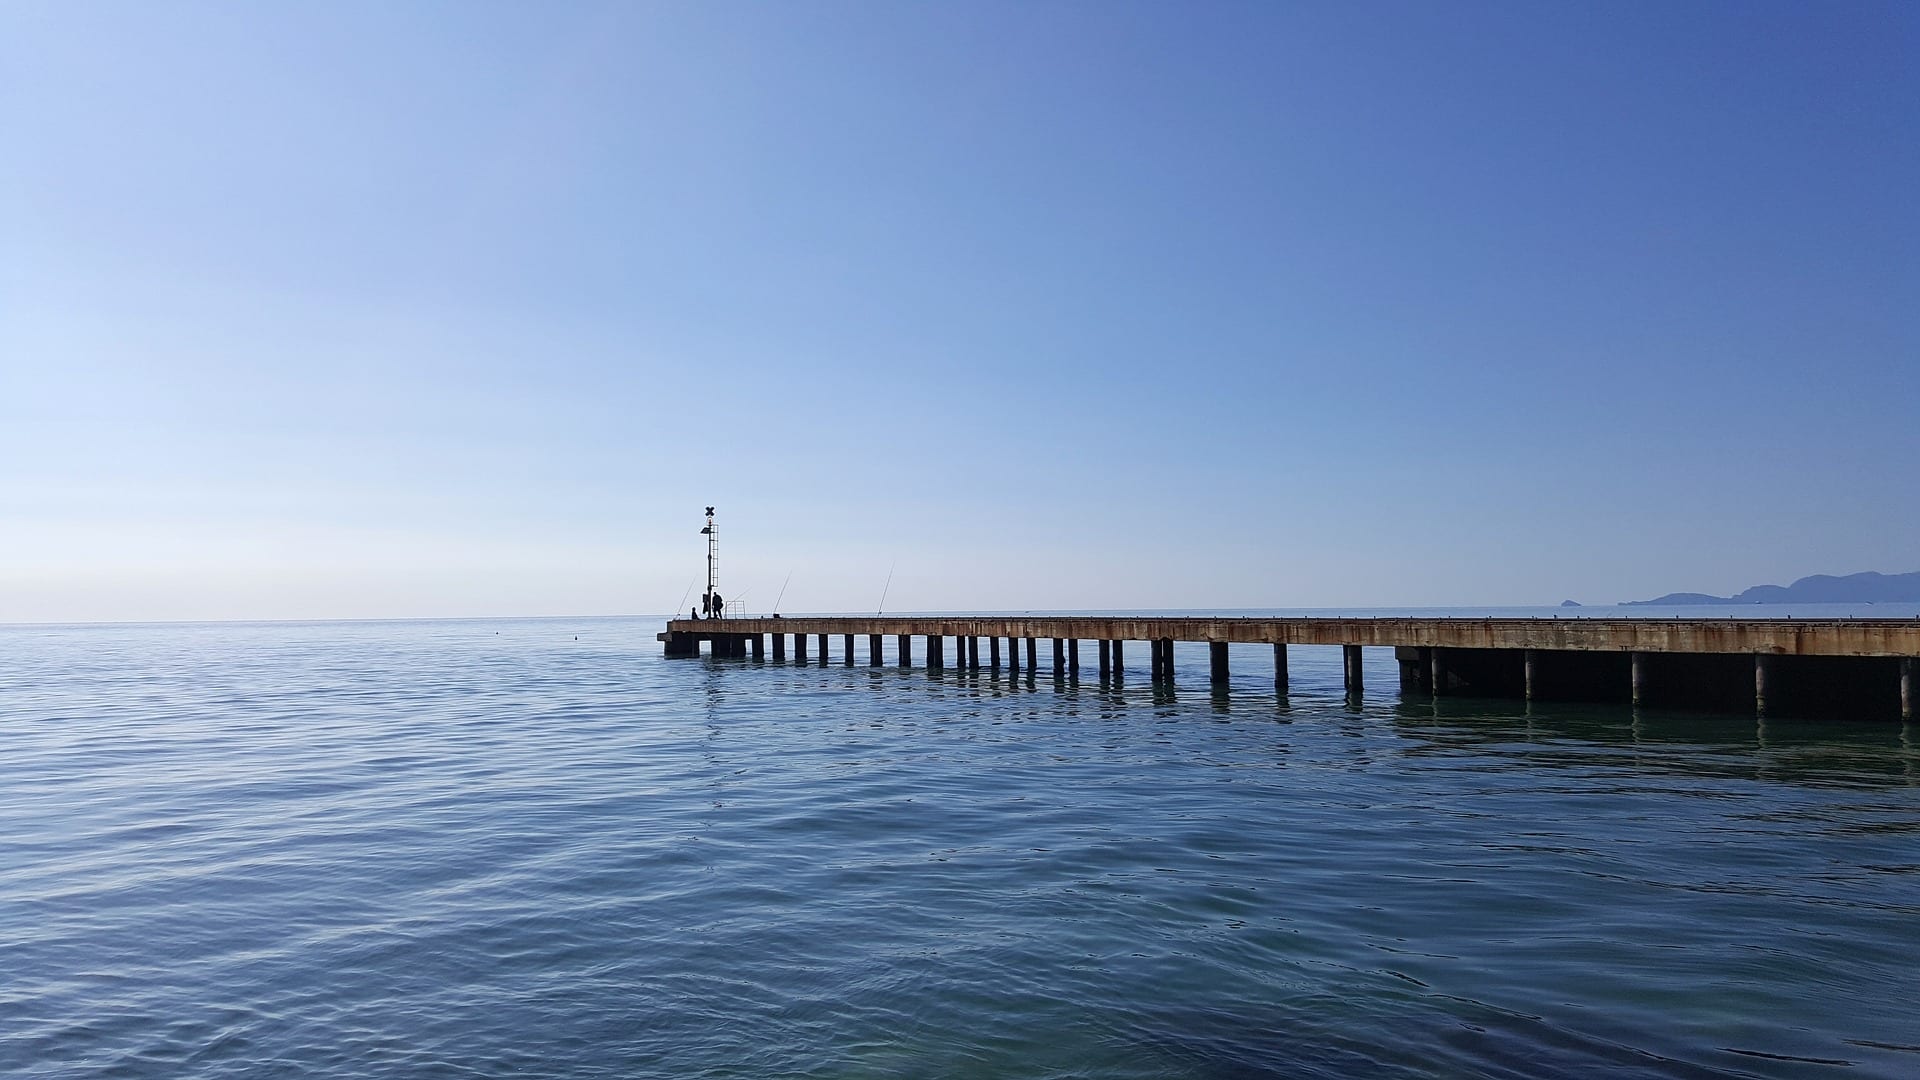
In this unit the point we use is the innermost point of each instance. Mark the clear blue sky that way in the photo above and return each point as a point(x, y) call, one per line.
point(371, 309)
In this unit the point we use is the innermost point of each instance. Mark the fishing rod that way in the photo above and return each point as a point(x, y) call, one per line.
point(683, 598)
point(783, 593)
point(884, 588)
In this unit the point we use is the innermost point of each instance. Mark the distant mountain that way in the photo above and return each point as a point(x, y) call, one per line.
point(1870, 587)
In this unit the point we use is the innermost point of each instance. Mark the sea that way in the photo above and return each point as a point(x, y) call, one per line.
point(538, 848)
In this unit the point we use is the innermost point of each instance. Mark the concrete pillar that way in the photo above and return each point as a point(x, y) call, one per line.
point(779, 646)
point(1106, 658)
point(1013, 654)
point(1436, 672)
point(1073, 655)
point(1907, 664)
point(1355, 671)
point(1166, 660)
point(904, 642)
point(759, 643)
point(847, 644)
point(874, 650)
point(1217, 653)
point(1280, 666)
point(973, 652)
point(1638, 693)
point(1762, 666)
point(799, 648)
point(936, 652)
point(1531, 684)
point(993, 652)
point(823, 650)
point(1033, 653)
point(1059, 656)
point(1119, 662)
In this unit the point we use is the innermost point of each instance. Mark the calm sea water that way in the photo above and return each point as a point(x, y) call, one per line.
point(536, 848)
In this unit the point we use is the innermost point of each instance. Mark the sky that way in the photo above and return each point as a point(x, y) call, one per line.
point(357, 309)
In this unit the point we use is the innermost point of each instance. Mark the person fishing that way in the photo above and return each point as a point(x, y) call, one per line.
point(719, 605)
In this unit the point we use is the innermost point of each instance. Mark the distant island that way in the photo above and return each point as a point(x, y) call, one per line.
point(1870, 587)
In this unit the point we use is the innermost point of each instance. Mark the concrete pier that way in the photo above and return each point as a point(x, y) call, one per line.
point(1862, 668)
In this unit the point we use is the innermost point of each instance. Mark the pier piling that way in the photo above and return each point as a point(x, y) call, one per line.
point(874, 643)
point(1217, 654)
point(1280, 667)
point(1637, 681)
point(904, 642)
point(936, 652)
point(993, 652)
point(1355, 680)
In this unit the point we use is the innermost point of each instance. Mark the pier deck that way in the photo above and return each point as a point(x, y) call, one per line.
point(1811, 666)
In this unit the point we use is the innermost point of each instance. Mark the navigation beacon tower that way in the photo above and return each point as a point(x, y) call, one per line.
point(713, 565)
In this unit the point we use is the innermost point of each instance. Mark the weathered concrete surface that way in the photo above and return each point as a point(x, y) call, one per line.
point(1785, 637)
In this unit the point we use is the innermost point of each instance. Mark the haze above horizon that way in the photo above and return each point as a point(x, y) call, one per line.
point(361, 310)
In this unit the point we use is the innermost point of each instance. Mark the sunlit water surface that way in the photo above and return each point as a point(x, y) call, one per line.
point(536, 848)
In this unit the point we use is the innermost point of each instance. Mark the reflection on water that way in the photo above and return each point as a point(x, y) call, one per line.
point(478, 848)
